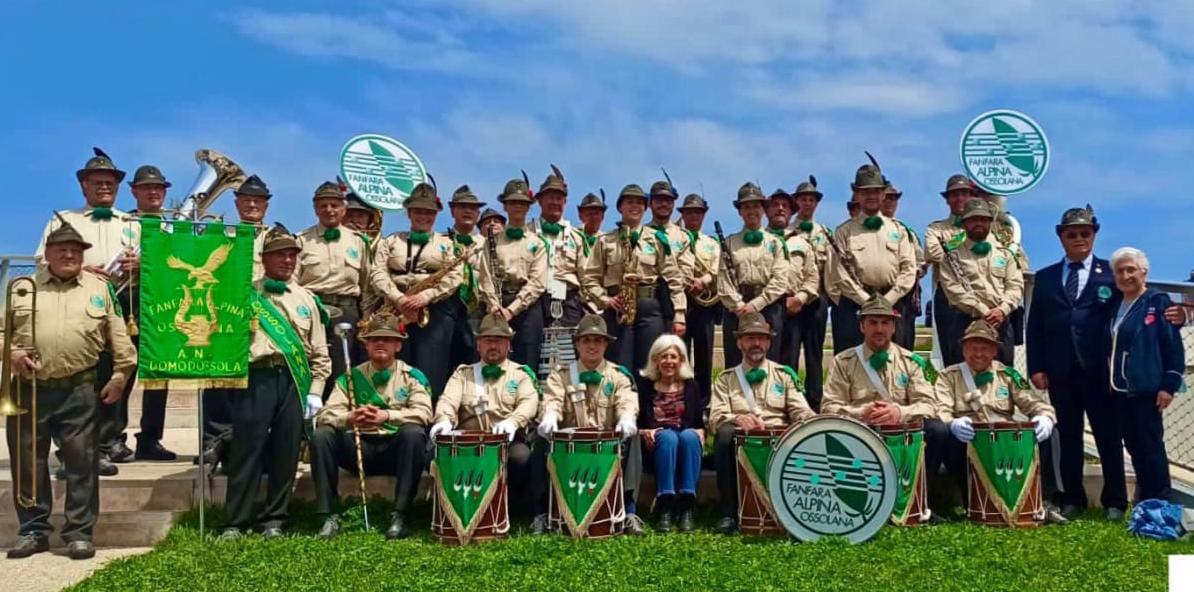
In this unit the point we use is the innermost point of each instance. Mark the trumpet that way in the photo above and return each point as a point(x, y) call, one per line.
point(10, 388)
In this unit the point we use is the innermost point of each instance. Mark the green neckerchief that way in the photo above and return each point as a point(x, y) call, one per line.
point(364, 392)
point(492, 371)
point(983, 378)
point(634, 236)
point(956, 241)
point(693, 237)
point(101, 213)
point(515, 233)
point(872, 223)
point(957, 221)
point(879, 359)
point(331, 234)
point(981, 248)
point(381, 377)
point(590, 377)
point(368, 242)
point(752, 237)
point(756, 375)
point(806, 226)
point(778, 232)
point(419, 237)
point(590, 240)
point(275, 286)
point(464, 239)
point(550, 228)
point(282, 334)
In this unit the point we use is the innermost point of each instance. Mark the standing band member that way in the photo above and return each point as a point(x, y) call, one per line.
point(948, 230)
point(809, 323)
point(406, 260)
point(662, 202)
point(465, 208)
point(591, 211)
point(704, 306)
point(334, 265)
point(909, 305)
point(76, 319)
point(390, 410)
point(366, 221)
point(565, 258)
point(288, 364)
point(758, 278)
point(803, 281)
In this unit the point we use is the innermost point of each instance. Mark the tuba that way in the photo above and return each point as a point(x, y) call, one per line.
point(217, 173)
point(11, 389)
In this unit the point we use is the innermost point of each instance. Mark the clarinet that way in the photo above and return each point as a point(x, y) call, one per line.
point(727, 257)
point(491, 248)
point(955, 265)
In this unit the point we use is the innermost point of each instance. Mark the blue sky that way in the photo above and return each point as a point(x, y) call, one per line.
point(719, 93)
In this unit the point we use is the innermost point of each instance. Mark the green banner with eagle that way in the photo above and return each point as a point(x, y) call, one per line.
point(196, 282)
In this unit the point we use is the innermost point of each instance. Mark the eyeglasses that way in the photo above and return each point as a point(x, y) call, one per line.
point(1075, 234)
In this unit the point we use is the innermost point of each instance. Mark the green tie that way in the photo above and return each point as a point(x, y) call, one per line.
point(879, 359)
point(515, 233)
point(983, 378)
point(464, 239)
point(275, 286)
point(418, 237)
point(590, 377)
point(756, 375)
point(381, 377)
point(872, 223)
point(331, 234)
point(752, 237)
point(101, 213)
point(981, 248)
point(778, 232)
point(550, 228)
point(806, 226)
point(492, 371)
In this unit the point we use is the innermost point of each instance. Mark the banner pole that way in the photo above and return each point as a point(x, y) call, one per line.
point(202, 471)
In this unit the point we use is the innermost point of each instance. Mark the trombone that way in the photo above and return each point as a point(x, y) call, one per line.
point(11, 389)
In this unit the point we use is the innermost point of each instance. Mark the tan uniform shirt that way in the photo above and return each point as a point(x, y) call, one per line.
point(803, 281)
point(565, 258)
point(649, 261)
point(885, 260)
point(993, 281)
point(678, 241)
point(108, 238)
point(513, 396)
point(339, 267)
point(849, 390)
point(937, 235)
point(603, 404)
point(817, 238)
point(299, 307)
point(406, 396)
point(997, 400)
point(523, 265)
point(777, 400)
point(917, 247)
point(76, 320)
point(398, 265)
point(763, 267)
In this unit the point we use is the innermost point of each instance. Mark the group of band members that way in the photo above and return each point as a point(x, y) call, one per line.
point(476, 300)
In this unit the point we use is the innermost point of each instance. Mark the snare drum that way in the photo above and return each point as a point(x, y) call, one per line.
point(470, 501)
point(585, 466)
point(906, 443)
point(1003, 475)
point(753, 449)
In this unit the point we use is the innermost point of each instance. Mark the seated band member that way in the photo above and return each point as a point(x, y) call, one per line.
point(982, 389)
point(284, 391)
point(595, 393)
point(881, 383)
point(392, 406)
point(495, 395)
point(76, 319)
point(756, 394)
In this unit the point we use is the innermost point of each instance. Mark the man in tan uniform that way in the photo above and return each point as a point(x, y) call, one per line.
point(565, 256)
point(334, 265)
point(76, 319)
point(809, 324)
point(958, 190)
point(403, 261)
point(983, 389)
point(909, 306)
point(755, 394)
point(803, 282)
point(991, 282)
point(465, 208)
point(288, 365)
point(499, 396)
point(662, 203)
point(521, 265)
point(591, 211)
point(592, 392)
point(873, 255)
point(758, 279)
point(634, 258)
point(252, 202)
point(391, 407)
point(704, 303)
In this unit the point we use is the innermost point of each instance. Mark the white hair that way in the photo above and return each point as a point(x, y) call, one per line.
point(1130, 253)
point(665, 342)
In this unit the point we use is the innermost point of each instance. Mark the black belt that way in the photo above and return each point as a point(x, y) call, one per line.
point(339, 300)
point(750, 292)
point(274, 361)
point(68, 382)
point(642, 292)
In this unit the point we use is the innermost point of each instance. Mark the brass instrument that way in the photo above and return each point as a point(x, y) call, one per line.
point(10, 387)
point(429, 282)
point(342, 330)
point(628, 289)
point(708, 296)
point(217, 173)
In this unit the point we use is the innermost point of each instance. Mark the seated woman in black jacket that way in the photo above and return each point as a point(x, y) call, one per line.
point(1147, 360)
point(671, 411)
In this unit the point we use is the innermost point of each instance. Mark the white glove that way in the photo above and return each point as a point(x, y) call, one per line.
point(626, 426)
point(1044, 427)
point(314, 404)
point(506, 427)
point(439, 428)
point(961, 429)
point(550, 423)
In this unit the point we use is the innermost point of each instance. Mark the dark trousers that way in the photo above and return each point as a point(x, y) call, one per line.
point(66, 411)
point(844, 320)
point(698, 336)
point(528, 333)
point(153, 408)
point(957, 328)
point(573, 309)
point(427, 348)
point(1144, 436)
point(944, 319)
point(632, 343)
point(464, 340)
point(110, 420)
point(350, 308)
point(774, 313)
point(217, 415)
point(401, 454)
point(726, 465)
point(909, 307)
point(936, 438)
point(1073, 394)
point(806, 330)
point(267, 427)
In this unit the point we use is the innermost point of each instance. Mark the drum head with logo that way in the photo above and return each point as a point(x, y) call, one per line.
point(832, 476)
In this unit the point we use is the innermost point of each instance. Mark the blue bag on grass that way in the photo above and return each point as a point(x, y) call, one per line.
point(1157, 519)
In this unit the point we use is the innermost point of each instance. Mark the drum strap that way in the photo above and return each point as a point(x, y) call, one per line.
point(574, 385)
point(746, 389)
point(873, 375)
point(976, 404)
point(481, 406)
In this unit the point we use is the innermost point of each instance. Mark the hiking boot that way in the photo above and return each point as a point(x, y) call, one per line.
point(397, 528)
point(727, 525)
point(80, 550)
point(330, 528)
point(154, 451)
point(634, 525)
point(120, 453)
point(540, 525)
point(105, 468)
point(29, 544)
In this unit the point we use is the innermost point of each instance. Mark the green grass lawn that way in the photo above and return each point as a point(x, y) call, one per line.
point(1086, 555)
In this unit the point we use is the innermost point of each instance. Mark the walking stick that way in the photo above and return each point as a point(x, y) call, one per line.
point(342, 330)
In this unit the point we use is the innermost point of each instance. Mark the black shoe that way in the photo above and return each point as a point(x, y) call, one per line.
point(634, 525)
point(29, 544)
point(231, 533)
point(540, 525)
point(211, 452)
point(271, 532)
point(727, 525)
point(330, 528)
point(663, 523)
point(1053, 516)
point(1114, 514)
point(105, 467)
point(154, 451)
point(663, 513)
point(1070, 511)
point(685, 525)
point(120, 453)
point(80, 550)
point(397, 528)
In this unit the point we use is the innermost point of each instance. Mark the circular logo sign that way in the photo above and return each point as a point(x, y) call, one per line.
point(832, 476)
point(1004, 152)
point(381, 170)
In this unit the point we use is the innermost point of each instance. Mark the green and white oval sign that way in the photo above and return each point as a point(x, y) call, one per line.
point(1005, 152)
point(832, 476)
point(381, 170)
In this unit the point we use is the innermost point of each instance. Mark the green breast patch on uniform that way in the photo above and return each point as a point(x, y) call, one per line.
point(1000, 261)
point(1002, 392)
point(304, 311)
point(648, 248)
point(902, 380)
point(353, 253)
point(778, 389)
point(512, 386)
point(442, 248)
point(532, 247)
point(97, 301)
point(771, 248)
point(708, 248)
point(894, 236)
point(608, 389)
point(402, 393)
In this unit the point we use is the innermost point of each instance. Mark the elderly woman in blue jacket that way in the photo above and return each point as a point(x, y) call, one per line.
point(1147, 359)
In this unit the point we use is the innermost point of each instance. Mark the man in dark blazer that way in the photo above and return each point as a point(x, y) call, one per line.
point(1066, 317)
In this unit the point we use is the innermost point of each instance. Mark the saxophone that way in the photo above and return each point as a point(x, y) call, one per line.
point(429, 282)
point(629, 287)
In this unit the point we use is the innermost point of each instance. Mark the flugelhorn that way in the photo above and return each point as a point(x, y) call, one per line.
point(11, 389)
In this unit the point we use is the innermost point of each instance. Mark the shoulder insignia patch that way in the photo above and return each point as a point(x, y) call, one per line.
point(794, 376)
point(1016, 377)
